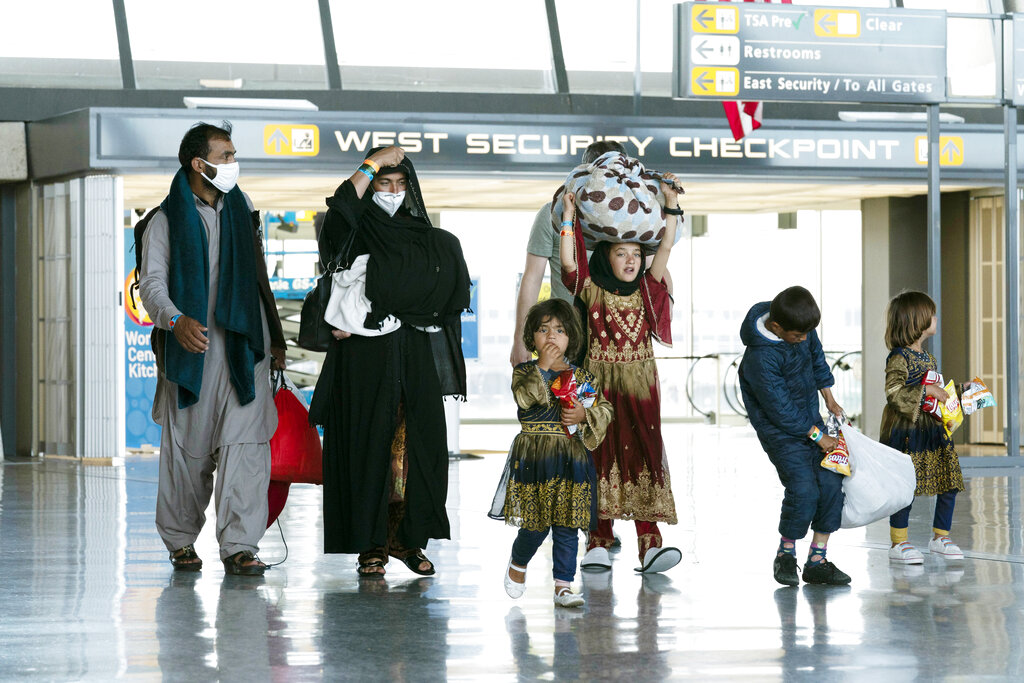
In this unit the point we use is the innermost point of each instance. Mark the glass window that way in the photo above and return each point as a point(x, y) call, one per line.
point(245, 44)
point(80, 49)
point(467, 47)
point(973, 47)
point(599, 45)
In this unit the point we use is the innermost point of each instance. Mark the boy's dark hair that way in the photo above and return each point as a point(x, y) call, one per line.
point(907, 317)
point(596, 149)
point(196, 142)
point(566, 314)
point(795, 310)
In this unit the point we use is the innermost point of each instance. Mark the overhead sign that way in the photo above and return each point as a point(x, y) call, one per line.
point(759, 51)
point(951, 150)
point(130, 141)
point(288, 140)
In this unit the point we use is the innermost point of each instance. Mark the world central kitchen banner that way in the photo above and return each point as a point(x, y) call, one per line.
point(140, 362)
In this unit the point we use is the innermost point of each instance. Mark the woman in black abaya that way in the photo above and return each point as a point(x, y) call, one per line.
point(379, 398)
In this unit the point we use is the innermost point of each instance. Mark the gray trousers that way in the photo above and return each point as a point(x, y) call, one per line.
point(185, 487)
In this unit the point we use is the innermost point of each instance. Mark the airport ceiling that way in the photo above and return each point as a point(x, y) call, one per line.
point(703, 196)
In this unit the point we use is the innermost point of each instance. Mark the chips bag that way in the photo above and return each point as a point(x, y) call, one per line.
point(837, 459)
point(568, 392)
point(951, 414)
point(976, 395)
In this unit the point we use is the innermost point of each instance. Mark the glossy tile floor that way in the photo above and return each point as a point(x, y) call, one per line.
point(86, 592)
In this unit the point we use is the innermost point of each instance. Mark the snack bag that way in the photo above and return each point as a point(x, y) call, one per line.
point(976, 395)
point(838, 459)
point(951, 413)
point(930, 404)
point(568, 392)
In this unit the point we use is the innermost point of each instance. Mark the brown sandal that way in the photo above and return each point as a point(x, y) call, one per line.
point(370, 561)
point(244, 563)
point(185, 559)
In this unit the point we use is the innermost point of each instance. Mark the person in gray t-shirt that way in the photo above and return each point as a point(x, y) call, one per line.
point(543, 249)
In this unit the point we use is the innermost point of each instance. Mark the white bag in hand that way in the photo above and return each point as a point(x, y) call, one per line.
point(882, 482)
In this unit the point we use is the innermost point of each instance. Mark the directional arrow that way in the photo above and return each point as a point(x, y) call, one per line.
point(704, 18)
point(706, 80)
point(827, 26)
point(703, 49)
point(950, 151)
point(276, 139)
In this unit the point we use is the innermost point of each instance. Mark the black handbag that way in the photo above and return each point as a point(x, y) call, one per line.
point(314, 332)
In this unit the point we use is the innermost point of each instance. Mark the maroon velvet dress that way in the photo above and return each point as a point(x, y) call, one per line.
point(633, 478)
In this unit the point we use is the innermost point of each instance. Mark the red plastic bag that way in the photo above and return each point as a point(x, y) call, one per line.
point(295, 452)
point(277, 496)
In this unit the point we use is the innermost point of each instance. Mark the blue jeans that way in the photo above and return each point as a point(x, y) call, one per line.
point(813, 496)
point(565, 543)
point(942, 521)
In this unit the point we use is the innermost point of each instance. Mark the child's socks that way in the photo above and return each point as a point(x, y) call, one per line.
point(816, 555)
point(787, 546)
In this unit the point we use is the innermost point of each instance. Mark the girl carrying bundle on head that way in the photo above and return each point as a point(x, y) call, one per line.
point(627, 305)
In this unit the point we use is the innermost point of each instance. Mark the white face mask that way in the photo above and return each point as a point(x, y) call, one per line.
point(226, 178)
point(389, 201)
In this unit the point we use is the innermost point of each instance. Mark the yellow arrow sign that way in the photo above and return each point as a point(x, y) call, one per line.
point(709, 19)
point(281, 139)
point(832, 23)
point(951, 150)
point(722, 81)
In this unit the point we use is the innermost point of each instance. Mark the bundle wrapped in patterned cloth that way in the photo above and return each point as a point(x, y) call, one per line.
point(617, 200)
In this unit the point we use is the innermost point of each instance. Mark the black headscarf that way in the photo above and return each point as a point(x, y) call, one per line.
point(416, 272)
point(601, 270)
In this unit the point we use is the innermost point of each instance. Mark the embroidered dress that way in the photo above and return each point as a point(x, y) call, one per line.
point(632, 471)
point(549, 477)
point(906, 428)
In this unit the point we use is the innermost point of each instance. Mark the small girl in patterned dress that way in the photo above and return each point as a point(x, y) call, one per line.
point(910, 320)
point(549, 481)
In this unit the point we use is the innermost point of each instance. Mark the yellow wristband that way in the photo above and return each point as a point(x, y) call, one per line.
point(374, 165)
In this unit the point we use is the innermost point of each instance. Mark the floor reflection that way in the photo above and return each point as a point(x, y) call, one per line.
point(89, 594)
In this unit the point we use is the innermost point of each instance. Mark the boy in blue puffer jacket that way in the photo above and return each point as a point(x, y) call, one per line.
point(782, 371)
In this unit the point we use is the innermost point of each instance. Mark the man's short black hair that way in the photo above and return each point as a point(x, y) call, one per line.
point(795, 310)
point(196, 142)
point(596, 149)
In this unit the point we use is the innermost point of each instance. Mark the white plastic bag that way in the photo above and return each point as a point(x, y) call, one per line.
point(882, 482)
point(348, 305)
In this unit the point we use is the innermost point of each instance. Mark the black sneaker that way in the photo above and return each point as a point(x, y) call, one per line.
point(825, 573)
point(785, 570)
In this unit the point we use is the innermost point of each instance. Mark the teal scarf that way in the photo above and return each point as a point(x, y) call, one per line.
point(237, 308)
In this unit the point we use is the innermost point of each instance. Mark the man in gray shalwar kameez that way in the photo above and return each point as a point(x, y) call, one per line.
point(219, 414)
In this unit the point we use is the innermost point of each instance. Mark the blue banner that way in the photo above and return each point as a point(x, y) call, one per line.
point(470, 326)
point(140, 363)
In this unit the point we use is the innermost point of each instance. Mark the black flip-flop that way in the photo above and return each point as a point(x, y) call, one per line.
point(413, 562)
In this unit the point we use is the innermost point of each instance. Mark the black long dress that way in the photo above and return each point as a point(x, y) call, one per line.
point(416, 273)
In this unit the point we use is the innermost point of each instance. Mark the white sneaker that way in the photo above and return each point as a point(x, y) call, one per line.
point(596, 559)
point(904, 553)
point(946, 548)
point(564, 597)
point(514, 588)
